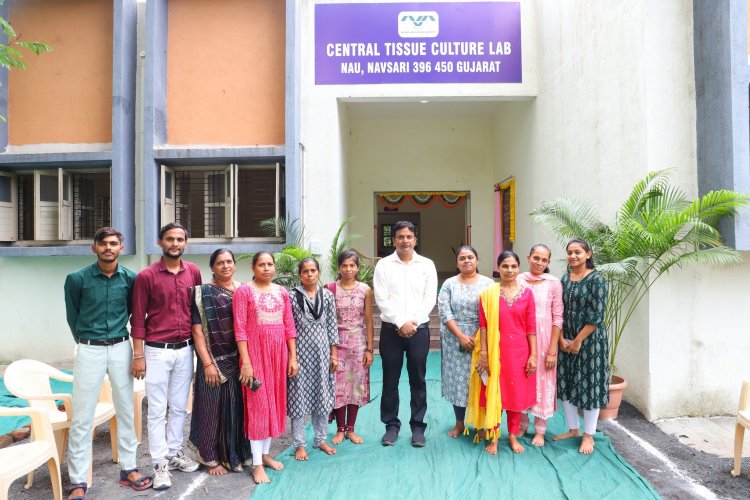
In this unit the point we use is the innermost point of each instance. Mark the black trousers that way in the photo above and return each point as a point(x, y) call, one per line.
point(392, 349)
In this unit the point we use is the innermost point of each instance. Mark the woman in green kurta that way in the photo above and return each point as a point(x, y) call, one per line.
point(583, 370)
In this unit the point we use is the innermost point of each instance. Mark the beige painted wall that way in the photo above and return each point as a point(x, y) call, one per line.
point(64, 96)
point(226, 72)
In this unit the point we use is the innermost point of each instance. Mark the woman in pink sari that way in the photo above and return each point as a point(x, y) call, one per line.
point(549, 309)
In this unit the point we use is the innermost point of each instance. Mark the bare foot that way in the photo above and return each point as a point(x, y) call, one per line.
point(457, 430)
point(492, 447)
point(587, 444)
point(270, 462)
point(300, 453)
point(514, 444)
point(338, 438)
point(351, 436)
point(217, 470)
point(482, 434)
point(538, 440)
point(325, 447)
point(259, 475)
point(570, 434)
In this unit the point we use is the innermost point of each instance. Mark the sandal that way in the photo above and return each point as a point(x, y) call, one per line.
point(140, 484)
point(72, 487)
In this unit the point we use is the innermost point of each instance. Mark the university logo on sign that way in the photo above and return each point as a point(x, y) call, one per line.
point(418, 24)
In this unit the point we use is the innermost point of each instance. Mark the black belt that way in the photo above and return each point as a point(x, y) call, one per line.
point(103, 342)
point(170, 345)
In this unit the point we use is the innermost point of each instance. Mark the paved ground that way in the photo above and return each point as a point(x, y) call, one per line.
point(713, 435)
point(675, 469)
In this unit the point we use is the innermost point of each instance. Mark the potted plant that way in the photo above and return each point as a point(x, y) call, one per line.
point(656, 228)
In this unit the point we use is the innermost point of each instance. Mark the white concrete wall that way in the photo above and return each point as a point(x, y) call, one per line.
point(442, 154)
point(616, 99)
point(585, 134)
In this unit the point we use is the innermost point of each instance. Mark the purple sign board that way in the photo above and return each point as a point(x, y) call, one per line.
point(456, 42)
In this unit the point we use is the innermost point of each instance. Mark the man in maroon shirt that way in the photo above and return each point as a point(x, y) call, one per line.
point(161, 319)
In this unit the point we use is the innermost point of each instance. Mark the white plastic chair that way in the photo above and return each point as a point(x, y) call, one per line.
point(743, 422)
point(15, 461)
point(30, 379)
point(139, 392)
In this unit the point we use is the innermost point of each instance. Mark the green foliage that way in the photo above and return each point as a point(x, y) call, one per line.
point(10, 54)
point(292, 232)
point(341, 243)
point(295, 249)
point(655, 229)
point(286, 265)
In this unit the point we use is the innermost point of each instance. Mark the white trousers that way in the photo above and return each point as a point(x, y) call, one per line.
point(259, 447)
point(91, 364)
point(590, 417)
point(169, 373)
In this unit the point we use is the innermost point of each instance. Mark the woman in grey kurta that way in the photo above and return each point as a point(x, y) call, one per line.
point(311, 392)
point(459, 320)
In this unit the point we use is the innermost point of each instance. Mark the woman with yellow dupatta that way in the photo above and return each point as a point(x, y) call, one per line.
point(506, 357)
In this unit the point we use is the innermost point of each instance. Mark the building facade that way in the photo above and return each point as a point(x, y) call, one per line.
point(220, 114)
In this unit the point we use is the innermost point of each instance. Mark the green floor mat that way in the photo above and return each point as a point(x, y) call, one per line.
point(451, 468)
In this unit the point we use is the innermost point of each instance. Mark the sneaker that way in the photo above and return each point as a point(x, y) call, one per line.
point(183, 462)
point(417, 438)
point(161, 476)
point(390, 436)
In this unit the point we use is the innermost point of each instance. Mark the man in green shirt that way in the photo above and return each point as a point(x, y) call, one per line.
point(97, 302)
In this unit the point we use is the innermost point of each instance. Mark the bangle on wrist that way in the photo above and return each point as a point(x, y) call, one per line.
point(369, 350)
point(206, 365)
point(138, 357)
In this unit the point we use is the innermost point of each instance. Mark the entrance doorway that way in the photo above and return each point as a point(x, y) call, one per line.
point(442, 219)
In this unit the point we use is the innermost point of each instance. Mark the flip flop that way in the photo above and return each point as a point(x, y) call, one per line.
point(140, 484)
point(72, 487)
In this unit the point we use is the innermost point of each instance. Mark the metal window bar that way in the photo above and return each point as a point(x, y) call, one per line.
point(91, 203)
point(25, 207)
point(200, 200)
point(257, 193)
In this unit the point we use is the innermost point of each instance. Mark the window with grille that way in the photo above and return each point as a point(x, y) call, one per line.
point(53, 204)
point(226, 201)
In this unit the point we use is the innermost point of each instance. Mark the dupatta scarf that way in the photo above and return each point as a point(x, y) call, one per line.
point(215, 308)
point(488, 416)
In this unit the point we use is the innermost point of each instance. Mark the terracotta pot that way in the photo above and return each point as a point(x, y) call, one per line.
point(616, 387)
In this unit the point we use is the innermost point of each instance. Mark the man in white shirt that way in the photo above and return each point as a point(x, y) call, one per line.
point(405, 286)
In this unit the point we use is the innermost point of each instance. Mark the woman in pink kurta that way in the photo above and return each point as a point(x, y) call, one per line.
point(517, 325)
point(265, 334)
point(354, 315)
point(549, 309)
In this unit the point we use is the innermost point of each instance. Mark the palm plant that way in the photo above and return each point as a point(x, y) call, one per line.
point(292, 252)
point(341, 243)
point(656, 228)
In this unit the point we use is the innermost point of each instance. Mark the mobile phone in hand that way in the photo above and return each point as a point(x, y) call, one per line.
point(255, 385)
